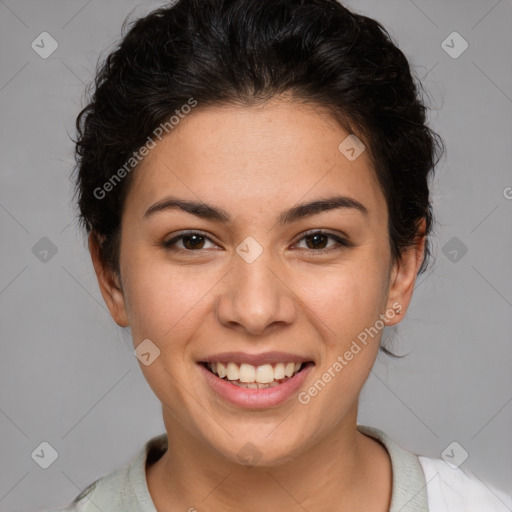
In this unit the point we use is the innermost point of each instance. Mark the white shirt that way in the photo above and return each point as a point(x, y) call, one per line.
point(453, 490)
point(420, 484)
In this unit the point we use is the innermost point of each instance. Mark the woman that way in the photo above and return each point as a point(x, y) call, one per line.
point(253, 180)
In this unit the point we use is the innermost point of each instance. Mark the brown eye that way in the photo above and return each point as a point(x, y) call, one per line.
point(316, 241)
point(191, 242)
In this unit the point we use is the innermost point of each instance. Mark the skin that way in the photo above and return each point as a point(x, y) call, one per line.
point(255, 162)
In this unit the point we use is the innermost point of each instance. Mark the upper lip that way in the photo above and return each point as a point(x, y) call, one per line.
point(255, 359)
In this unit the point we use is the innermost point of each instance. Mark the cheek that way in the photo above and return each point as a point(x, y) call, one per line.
point(349, 304)
point(164, 305)
point(344, 299)
point(163, 300)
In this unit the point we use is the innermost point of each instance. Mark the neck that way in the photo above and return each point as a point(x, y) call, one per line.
point(346, 468)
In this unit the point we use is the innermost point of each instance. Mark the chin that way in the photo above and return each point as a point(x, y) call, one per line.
point(260, 451)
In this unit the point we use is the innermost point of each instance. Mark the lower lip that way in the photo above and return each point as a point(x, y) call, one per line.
point(256, 398)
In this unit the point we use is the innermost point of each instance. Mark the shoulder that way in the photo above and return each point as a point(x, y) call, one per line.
point(124, 489)
point(454, 490)
point(105, 493)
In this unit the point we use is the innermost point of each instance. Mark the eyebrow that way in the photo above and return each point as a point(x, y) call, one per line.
point(301, 211)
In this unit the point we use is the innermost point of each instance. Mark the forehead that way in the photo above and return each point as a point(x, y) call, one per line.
point(272, 154)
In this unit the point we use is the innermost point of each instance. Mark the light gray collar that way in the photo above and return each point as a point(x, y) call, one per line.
point(409, 491)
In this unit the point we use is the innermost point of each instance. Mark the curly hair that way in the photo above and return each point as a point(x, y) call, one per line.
point(244, 52)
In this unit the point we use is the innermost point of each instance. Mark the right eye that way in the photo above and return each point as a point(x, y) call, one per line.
point(192, 241)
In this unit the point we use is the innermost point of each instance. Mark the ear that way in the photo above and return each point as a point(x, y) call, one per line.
point(403, 276)
point(109, 283)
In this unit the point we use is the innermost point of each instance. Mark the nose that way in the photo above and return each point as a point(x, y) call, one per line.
point(255, 297)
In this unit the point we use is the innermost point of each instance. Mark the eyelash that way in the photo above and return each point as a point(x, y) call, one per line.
point(341, 241)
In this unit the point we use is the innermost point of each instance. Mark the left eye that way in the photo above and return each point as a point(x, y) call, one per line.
point(319, 237)
point(193, 241)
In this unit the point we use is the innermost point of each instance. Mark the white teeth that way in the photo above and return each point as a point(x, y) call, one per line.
point(221, 370)
point(255, 385)
point(289, 369)
point(232, 371)
point(254, 376)
point(279, 371)
point(247, 373)
point(265, 374)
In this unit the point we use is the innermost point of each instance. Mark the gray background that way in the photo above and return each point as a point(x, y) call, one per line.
point(68, 375)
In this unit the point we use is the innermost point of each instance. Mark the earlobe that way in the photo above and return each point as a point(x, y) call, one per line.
point(109, 283)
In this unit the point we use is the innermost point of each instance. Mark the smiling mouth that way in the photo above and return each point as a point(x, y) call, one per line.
point(255, 377)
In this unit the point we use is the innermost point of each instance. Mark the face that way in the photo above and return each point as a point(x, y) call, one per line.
point(257, 291)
